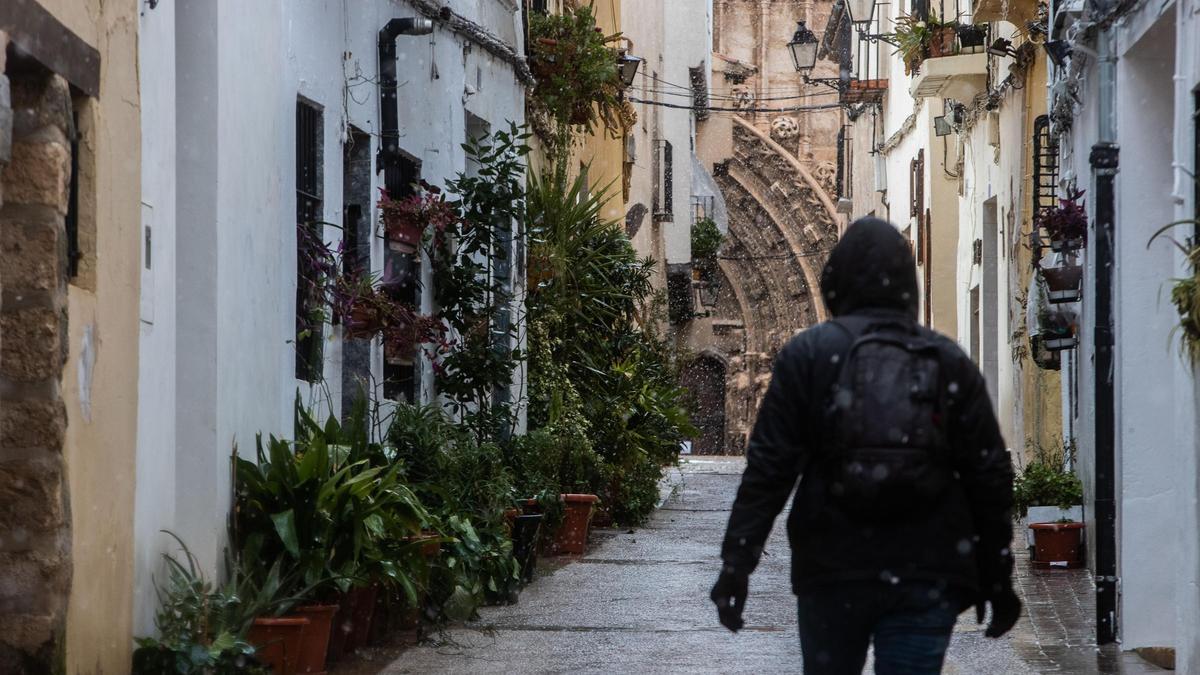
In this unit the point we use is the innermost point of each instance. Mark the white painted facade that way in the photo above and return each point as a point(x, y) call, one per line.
point(218, 363)
point(1157, 50)
point(673, 37)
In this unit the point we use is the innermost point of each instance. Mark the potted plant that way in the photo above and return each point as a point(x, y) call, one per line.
point(406, 219)
point(201, 628)
point(578, 83)
point(971, 36)
point(912, 37)
point(1066, 224)
point(1064, 281)
point(1049, 497)
point(1057, 328)
point(942, 36)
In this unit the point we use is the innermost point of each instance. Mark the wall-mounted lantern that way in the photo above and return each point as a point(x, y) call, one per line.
point(860, 11)
point(941, 126)
point(804, 49)
point(627, 66)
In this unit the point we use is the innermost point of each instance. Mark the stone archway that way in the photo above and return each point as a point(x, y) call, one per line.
point(782, 225)
point(704, 377)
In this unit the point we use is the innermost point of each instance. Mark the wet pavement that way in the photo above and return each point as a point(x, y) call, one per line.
point(638, 602)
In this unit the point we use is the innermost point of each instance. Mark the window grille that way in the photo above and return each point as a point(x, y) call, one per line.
point(402, 271)
point(1045, 165)
point(309, 330)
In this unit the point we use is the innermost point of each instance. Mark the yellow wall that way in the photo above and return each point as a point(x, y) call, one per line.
point(1041, 390)
point(604, 154)
point(100, 378)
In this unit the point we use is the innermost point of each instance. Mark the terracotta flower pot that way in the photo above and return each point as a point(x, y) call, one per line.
point(1057, 545)
point(941, 42)
point(279, 642)
point(316, 638)
point(572, 535)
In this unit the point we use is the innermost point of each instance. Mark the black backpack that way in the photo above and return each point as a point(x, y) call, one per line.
point(886, 453)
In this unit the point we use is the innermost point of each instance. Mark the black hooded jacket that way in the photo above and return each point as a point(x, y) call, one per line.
point(965, 541)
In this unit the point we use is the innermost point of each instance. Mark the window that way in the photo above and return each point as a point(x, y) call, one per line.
point(309, 325)
point(402, 273)
point(665, 184)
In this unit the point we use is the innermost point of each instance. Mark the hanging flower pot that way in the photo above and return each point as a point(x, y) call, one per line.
point(1056, 328)
point(1063, 283)
point(1065, 225)
point(971, 36)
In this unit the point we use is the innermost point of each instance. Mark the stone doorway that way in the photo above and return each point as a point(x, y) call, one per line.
point(705, 378)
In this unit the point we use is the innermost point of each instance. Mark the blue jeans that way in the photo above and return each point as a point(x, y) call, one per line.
point(909, 622)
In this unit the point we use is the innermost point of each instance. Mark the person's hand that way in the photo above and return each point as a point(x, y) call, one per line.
point(1006, 609)
point(729, 594)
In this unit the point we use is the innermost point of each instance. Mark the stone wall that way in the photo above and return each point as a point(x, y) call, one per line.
point(775, 168)
point(35, 565)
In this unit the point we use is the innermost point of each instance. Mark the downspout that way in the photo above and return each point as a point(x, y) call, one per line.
point(389, 119)
point(1105, 160)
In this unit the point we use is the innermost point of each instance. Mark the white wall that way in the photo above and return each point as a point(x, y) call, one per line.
point(1145, 356)
point(155, 474)
point(238, 69)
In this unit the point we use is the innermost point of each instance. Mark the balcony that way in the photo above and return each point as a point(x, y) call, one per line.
point(958, 77)
point(864, 91)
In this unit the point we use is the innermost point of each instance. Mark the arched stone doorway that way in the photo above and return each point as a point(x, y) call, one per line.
point(704, 377)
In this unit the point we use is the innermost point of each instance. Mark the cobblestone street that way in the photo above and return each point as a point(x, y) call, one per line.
point(638, 602)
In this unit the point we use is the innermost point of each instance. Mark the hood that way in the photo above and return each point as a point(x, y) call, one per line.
point(872, 267)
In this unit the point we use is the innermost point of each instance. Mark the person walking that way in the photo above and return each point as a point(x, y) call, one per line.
point(902, 517)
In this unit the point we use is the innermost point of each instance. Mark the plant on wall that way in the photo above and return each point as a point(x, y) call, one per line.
point(578, 84)
point(1065, 224)
point(1185, 291)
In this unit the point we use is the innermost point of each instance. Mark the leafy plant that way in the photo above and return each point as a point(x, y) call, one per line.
point(578, 84)
point(324, 505)
point(1066, 222)
point(202, 628)
point(467, 487)
point(912, 37)
point(473, 256)
point(602, 383)
point(1046, 484)
point(706, 240)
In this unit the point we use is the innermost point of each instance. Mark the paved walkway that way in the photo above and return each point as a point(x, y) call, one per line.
point(638, 603)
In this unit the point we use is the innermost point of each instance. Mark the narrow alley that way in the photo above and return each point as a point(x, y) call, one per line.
point(419, 336)
point(637, 602)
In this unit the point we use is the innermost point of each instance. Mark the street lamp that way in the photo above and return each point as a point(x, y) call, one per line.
point(860, 11)
point(804, 49)
point(627, 66)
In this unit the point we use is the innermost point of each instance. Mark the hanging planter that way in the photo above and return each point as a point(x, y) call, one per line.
point(1056, 328)
point(1063, 283)
point(1064, 225)
point(971, 36)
